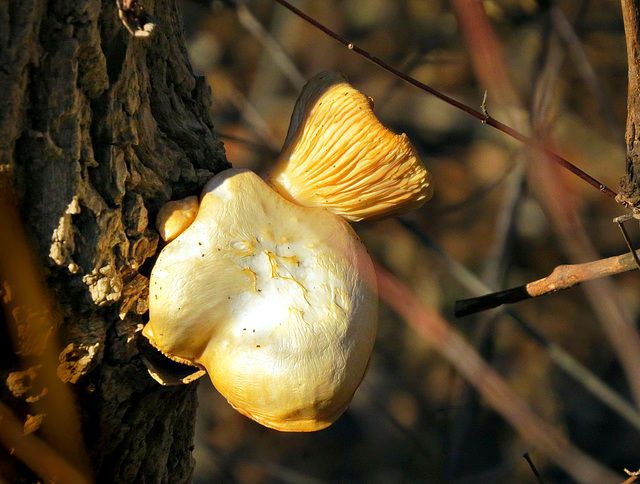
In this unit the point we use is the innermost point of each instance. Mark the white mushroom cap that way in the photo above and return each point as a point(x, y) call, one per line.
point(277, 301)
point(338, 156)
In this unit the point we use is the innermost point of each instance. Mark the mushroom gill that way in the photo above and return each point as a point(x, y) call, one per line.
point(337, 155)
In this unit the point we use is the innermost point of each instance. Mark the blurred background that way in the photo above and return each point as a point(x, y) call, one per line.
point(501, 216)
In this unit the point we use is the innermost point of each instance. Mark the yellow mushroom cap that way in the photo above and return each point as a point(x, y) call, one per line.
point(337, 155)
point(174, 217)
point(277, 301)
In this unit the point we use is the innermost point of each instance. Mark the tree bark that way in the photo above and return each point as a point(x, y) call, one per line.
point(630, 182)
point(98, 129)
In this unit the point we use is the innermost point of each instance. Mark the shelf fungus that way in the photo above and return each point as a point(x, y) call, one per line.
point(269, 288)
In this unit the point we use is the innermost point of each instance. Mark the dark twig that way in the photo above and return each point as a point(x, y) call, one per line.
point(558, 355)
point(533, 468)
point(279, 57)
point(495, 392)
point(625, 235)
point(457, 104)
point(562, 277)
point(466, 307)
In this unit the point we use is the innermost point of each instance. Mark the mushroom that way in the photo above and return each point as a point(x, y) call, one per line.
point(271, 292)
point(175, 216)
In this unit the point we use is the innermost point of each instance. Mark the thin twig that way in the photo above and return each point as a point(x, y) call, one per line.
point(278, 55)
point(533, 468)
point(555, 197)
point(562, 277)
point(577, 54)
point(457, 104)
point(254, 119)
point(625, 235)
point(476, 194)
point(489, 384)
point(555, 353)
point(633, 476)
point(495, 268)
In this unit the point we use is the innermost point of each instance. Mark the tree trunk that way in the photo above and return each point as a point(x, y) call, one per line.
point(98, 129)
point(630, 183)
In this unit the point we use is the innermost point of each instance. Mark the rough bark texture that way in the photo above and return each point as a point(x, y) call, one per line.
point(630, 183)
point(98, 129)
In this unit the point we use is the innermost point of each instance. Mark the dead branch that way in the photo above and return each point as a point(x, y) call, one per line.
point(629, 184)
point(562, 277)
point(489, 384)
point(565, 361)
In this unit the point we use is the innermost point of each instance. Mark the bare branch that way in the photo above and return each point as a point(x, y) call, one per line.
point(564, 360)
point(562, 277)
point(488, 383)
